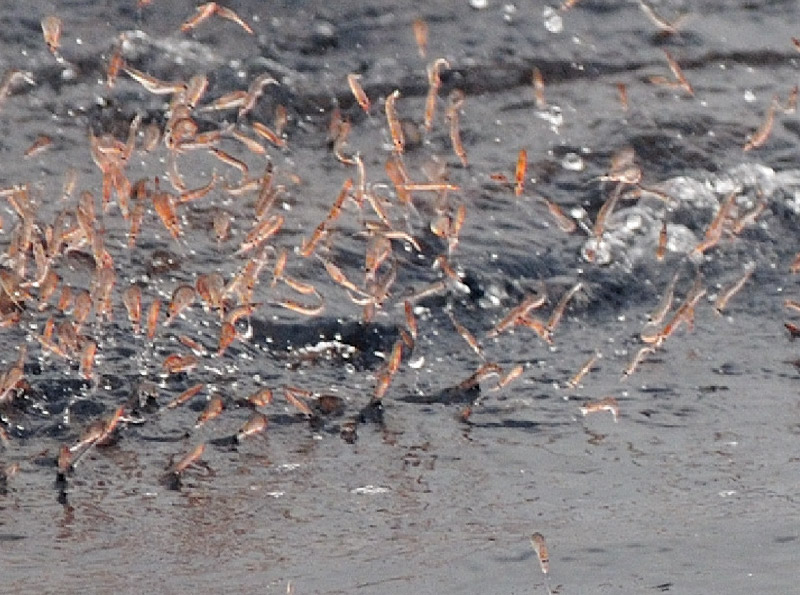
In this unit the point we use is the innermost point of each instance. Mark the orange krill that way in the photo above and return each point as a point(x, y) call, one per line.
point(227, 336)
point(205, 11)
point(189, 459)
point(182, 298)
point(519, 175)
point(87, 359)
point(213, 409)
point(395, 128)
point(185, 396)
point(358, 92)
point(420, 29)
point(255, 424)
point(260, 398)
point(176, 363)
point(152, 319)
point(164, 204)
point(51, 28)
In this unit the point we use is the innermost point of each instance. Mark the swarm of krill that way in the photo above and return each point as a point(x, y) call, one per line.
point(28, 289)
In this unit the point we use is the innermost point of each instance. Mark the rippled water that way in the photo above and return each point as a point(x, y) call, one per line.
point(693, 490)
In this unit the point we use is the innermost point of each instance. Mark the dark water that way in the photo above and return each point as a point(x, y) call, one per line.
point(692, 491)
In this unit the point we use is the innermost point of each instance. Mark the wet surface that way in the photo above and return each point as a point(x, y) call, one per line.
point(437, 487)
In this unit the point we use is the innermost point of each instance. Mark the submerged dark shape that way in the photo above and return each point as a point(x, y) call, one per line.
point(332, 337)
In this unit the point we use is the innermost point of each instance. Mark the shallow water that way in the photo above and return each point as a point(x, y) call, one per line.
point(691, 491)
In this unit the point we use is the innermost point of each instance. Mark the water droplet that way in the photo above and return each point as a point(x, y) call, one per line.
point(552, 20)
point(572, 162)
point(597, 251)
